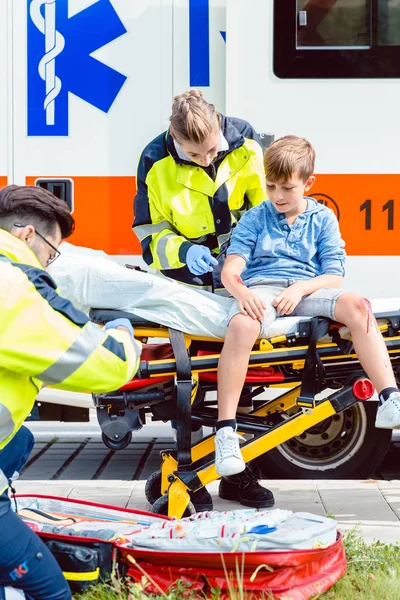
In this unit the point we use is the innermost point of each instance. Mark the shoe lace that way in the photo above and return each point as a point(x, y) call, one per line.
point(228, 444)
point(394, 399)
point(248, 477)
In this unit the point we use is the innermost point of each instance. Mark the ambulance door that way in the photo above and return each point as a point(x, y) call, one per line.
point(288, 70)
point(200, 48)
point(5, 74)
point(93, 85)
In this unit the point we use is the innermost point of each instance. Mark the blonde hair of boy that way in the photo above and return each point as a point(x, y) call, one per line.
point(288, 156)
point(193, 119)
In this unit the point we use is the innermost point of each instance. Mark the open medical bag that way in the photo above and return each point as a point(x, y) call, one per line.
point(81, 535)
point(291, 555)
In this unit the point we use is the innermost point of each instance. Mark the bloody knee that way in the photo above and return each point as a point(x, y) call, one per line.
point(357, 310)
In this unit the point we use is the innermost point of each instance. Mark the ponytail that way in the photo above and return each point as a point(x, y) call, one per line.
point(193, 119)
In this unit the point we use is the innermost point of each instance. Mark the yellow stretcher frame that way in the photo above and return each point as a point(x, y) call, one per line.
point(178, 490)
point(173, 482)
point(176, 484)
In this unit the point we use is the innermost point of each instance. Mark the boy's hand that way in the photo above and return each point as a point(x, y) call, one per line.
point(287, 300)
point(250, 304)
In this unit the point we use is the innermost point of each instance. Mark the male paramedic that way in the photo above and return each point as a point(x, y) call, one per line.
point(44, 340)
point(194, 182)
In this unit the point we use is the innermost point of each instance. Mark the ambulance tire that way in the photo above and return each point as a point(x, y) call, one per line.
point(345, 446)
point(152, 488)
point(160, 507)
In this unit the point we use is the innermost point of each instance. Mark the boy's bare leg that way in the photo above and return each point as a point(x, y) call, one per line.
point(232, 369)
point(234, 362)
point(355, 312)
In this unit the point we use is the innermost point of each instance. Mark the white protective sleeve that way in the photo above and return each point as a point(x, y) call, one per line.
point(90, 279)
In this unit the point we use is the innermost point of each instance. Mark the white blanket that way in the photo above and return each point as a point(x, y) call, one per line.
point(90, 279)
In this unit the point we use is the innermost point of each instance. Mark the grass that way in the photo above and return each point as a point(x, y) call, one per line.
point(373, 573)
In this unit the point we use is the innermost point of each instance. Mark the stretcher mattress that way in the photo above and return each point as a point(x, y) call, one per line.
point(89, 278)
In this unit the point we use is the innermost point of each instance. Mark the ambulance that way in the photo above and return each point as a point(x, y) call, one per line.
point(88, 83)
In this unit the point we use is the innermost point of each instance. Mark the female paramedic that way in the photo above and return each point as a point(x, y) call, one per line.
point(44, 340)
point(194, 182)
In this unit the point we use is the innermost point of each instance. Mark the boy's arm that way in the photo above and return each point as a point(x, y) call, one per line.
point(316, 283)
point(249, 303)
point(240, 251)
point(330, 248)
point(289, 298)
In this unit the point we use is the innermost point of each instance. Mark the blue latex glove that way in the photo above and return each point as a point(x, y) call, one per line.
point(199, 260)
point(120, 323)
point(262, 529)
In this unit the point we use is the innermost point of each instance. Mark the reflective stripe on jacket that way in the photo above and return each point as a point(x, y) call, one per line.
point(179, 203)
point(45, 340)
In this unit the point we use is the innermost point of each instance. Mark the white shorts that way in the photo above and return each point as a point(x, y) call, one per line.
point(318, 304)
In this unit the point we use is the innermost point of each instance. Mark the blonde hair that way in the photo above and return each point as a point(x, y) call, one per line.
point(287, 156)
point(193, 119)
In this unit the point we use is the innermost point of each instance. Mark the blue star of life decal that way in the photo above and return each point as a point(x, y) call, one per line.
point(60, 61)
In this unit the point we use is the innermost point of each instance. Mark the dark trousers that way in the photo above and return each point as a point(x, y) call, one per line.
point(25, 561)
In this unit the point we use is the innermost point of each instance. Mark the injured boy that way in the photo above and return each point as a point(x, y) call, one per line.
point(287, 257)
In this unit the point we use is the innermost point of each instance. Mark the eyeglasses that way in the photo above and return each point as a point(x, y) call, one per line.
point(56, 251)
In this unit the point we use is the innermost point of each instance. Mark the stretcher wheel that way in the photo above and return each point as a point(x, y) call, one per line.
point(152, 489)
point(160, 507)
point(117, 444)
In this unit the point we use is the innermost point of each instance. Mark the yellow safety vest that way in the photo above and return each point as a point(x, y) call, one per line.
point(179, 204)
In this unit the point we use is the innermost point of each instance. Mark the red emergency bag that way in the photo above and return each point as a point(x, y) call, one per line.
point(89, 539)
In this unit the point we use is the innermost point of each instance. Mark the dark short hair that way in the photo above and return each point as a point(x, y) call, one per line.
point(33, 205)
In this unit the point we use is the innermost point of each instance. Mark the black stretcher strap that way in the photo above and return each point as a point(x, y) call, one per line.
point(183, 386)
point(346, 346)
point(313, 379)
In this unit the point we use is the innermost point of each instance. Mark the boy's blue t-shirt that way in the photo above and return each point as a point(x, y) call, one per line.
point(273, 249)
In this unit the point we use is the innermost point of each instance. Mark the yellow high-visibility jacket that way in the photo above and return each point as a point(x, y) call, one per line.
point(179, 203)
point(45, 340)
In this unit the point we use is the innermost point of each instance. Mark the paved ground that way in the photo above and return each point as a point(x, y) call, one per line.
point(373, 507)
point(75, 451)
point(72, 461)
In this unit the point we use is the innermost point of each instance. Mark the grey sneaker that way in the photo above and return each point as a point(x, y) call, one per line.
point(228, 458)
point(388, 414)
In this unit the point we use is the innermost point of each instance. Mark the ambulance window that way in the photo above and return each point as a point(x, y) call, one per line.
point(62, 188)
point(340, 24)
point(389, 23)
point(337, 38)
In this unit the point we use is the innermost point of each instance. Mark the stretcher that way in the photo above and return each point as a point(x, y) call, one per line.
point(304, 355)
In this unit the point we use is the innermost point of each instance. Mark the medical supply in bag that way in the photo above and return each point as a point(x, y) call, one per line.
point(246, 530)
